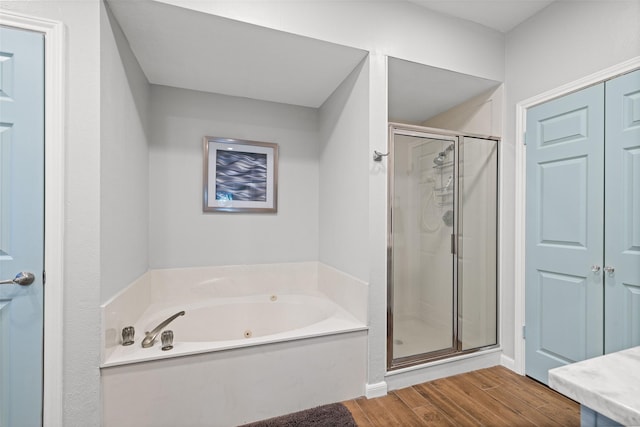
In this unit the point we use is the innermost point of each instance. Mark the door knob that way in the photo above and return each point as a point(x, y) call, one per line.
point(23, 278)
point(610, 270)
point(595, 268)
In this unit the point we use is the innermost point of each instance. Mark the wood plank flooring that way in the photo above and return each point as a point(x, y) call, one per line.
point(488, 397)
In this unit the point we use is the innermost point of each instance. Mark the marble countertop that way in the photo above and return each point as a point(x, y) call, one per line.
point(608, 384)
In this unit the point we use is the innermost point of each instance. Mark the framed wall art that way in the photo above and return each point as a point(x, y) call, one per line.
point(240, 175)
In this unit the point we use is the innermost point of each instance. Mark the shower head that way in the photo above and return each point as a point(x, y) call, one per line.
point(440, 158)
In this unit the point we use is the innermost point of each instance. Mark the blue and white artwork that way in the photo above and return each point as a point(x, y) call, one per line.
point(241, 176)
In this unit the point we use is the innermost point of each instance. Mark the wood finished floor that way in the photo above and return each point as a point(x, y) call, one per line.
point(488, 397)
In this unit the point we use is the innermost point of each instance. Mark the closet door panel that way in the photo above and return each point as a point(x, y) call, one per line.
point(622, 212)
point(564, 238)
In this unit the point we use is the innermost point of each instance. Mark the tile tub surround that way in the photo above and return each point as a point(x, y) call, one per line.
point(158, 288)
point(609, 384)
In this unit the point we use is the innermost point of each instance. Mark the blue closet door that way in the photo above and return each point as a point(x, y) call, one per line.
point(21, 226)
point(622, 213)
point(564, 236)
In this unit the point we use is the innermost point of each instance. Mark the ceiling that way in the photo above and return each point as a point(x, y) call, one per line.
point(418, 92)
point(191, 50)
point(187, 49)
point(501, 15)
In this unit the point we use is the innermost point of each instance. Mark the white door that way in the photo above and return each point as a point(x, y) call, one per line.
point(21, 226)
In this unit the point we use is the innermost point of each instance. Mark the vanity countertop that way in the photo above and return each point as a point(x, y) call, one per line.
point(608, 384)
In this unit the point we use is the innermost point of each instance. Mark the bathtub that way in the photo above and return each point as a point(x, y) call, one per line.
point(255, 342)
point(226, 323)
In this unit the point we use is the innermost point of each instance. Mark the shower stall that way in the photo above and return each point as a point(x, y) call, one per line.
point(443, 195)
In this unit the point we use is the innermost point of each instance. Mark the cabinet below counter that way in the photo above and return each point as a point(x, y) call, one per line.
point(607, 387)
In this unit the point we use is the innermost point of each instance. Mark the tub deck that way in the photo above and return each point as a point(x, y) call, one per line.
point(330, 319)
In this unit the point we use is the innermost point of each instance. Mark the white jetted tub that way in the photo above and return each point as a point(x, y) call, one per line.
point(225, 323)
point(254, 342)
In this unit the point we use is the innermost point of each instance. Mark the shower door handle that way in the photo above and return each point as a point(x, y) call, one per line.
point(453, 244)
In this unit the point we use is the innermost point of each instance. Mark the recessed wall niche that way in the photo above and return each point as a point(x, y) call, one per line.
point(184, 48)
point(428, 96)
point(211, 75)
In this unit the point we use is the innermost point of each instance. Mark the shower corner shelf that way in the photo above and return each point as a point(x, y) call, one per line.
point(444, 165)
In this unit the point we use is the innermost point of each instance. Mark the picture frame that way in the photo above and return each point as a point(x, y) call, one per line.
point(240, 175)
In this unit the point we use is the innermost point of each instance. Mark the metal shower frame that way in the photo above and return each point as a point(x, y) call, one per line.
point(456, 345)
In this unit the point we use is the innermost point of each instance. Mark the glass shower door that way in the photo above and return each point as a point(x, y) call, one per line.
point(477, 243)
point(442, 245)
point(422, 267)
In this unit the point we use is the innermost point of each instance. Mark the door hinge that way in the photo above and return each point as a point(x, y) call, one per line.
point(524, 332)
point(524, 138)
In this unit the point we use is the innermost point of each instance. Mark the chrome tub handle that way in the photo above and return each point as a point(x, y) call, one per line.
point(150, 337)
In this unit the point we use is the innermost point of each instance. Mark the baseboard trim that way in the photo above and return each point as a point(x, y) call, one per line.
point(413, 375)
point(375, 390)
point(508, 362)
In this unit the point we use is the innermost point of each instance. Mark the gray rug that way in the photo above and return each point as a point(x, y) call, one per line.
point(333, 415)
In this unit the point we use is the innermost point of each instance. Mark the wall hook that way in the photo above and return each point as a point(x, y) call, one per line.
point(377, 156)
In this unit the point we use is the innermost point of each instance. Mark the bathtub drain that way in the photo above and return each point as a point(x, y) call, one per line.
point(247, 333)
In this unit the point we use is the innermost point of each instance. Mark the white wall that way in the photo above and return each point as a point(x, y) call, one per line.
point(124, 203)
point(378, 114)
point(180, 234)
point(564, 42)
point(395, 28)
point(344, 181)
point(480, 115)
point(81, 346)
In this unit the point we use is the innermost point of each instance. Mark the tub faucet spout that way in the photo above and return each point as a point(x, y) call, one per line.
point(150, 337)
